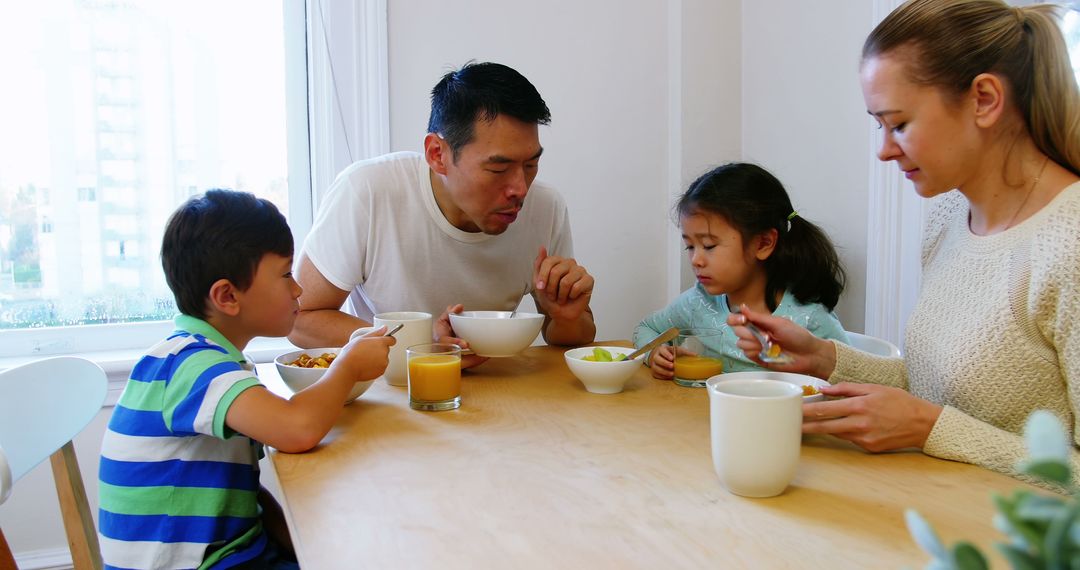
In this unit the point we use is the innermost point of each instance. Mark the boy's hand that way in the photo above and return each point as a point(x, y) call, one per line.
point(662, 362)
point(366, 356)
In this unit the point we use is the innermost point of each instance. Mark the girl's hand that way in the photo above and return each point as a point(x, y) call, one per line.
point(876, 418)
point(810, 354)
point(662, 362)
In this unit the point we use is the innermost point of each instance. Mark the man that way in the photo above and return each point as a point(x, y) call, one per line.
point(460, 226)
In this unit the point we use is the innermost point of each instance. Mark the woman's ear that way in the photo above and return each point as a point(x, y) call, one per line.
point(222, 298)
point(988, 94)
point(764, 244)
point(437, 153)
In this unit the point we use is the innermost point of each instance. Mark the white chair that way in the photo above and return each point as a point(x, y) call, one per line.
point(43, 406)
point(873, 344)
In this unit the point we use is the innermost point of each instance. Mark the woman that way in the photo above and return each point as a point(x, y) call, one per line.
point(979, 97)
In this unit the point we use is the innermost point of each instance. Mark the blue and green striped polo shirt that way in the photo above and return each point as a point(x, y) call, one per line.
point(177, 487)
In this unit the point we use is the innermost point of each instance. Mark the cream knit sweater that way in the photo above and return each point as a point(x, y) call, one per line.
point(995, 335)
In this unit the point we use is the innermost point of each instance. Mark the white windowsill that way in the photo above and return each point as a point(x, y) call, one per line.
point(118, 363)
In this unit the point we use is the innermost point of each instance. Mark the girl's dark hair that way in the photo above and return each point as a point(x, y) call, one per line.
point(220, 235)
point(753, 201)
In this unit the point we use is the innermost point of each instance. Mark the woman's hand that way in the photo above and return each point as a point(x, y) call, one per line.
point(810, 354)
point(876, 418)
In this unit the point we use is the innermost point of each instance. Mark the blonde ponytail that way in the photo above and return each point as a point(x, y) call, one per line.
point(955, 40)
point(1053, 115)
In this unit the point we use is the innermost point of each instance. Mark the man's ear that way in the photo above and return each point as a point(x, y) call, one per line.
point(223, 298)
point(988, 94)
point(764, 244)
point(438, 153)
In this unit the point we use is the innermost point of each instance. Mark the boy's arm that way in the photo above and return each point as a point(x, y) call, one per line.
point(299, 424)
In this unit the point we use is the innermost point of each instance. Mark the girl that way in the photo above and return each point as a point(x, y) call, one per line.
point(748, 247)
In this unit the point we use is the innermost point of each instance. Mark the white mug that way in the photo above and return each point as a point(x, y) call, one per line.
point(756, 434)
point(417, 330)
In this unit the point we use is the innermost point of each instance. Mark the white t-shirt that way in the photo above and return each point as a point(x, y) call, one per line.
point(380, 234)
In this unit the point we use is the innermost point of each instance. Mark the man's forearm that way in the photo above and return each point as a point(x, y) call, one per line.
point(569, 333)
point(324, 328)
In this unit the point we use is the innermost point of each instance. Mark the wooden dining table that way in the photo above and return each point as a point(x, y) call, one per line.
point(533, 471)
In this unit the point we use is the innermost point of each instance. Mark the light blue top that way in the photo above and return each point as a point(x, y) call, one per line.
point(696, 308)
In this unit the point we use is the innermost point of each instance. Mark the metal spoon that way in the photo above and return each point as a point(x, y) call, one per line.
point(664, 337)
point(394, 330)
point(770, 351)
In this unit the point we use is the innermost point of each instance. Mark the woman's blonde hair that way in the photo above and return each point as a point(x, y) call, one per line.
point(955, 40)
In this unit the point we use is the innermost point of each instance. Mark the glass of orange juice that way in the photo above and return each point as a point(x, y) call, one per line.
point(697, 356)
point(434, 376)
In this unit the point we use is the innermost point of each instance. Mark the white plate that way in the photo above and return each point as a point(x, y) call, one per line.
point(789, 377)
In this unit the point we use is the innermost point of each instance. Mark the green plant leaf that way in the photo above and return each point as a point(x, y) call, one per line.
point(1074, 533)
point(1019, 559)
point(1024, 534)
point(924, 535)
point(1048, 469)
point(966, 556)
point(1045, 437)
point(1056, 548)
point(1042, 508)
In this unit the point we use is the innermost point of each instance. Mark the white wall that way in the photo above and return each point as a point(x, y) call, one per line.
point(804, 119)
point(644, 97)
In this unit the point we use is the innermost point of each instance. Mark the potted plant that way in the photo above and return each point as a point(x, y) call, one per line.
point(1043, 529)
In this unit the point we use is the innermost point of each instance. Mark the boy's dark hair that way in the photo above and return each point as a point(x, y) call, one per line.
point(220, 235)
point(482, 91)
point(753, 201)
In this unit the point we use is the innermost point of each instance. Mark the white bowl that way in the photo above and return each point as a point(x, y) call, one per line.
point(297, 377)
point(789, 377)
point(495, 333)
point(602, 377)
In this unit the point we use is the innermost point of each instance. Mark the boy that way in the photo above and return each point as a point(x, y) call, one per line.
point(179, 479)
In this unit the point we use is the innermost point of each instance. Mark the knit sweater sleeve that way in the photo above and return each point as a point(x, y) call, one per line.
point(854, 365)
point(959, 437)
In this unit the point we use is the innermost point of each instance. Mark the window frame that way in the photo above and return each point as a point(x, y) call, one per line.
point(314, 158)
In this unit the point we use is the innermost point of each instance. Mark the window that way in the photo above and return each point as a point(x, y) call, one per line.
point(114, 112)
point(1070, 27)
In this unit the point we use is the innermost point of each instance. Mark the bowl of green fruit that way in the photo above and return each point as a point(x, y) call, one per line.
point(602, 369)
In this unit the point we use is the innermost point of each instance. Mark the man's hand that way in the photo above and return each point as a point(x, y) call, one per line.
point(444, 333)
point(562, 292)
point(563, 287)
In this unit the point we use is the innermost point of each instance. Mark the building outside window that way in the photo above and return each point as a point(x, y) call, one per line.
point(115, 112)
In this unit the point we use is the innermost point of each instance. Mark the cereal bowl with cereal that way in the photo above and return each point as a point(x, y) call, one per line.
point(302, 368)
